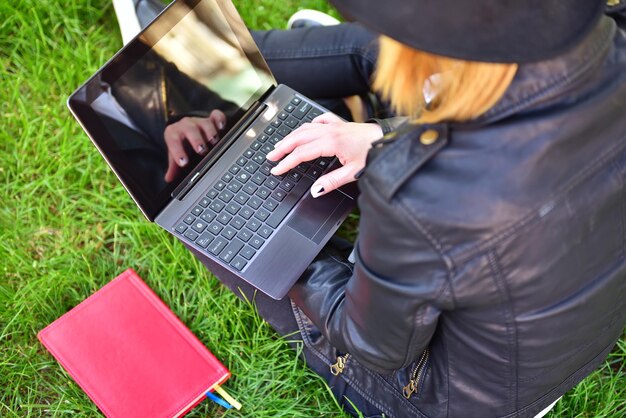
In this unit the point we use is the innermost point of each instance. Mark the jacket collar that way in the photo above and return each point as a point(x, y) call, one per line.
point(540, 84)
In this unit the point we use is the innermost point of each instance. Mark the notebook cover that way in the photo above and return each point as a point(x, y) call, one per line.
point(131, 354)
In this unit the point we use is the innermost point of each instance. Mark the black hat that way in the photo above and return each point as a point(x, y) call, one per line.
point(480, 30)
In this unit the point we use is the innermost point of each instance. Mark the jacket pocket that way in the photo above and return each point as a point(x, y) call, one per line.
point(417, 375)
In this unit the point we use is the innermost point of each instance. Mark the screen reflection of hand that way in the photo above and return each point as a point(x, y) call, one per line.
point(200, 133)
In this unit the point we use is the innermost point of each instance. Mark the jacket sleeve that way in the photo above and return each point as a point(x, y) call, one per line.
point(383, 311)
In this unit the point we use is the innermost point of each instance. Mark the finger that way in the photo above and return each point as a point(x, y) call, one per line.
point(304, 134)
point(173, 140)
point(327, 118)
point(209, 130)
point(333, 180)
point(219, 118)
point(172, 169)
point(306, 152)
point(191, 132)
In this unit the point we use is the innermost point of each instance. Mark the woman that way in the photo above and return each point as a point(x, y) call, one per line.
point(489, 275)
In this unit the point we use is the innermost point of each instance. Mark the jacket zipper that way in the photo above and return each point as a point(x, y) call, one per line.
point(416, 375)
point(337, 368)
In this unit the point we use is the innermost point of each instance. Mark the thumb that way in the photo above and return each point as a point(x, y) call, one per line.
point(333, 180)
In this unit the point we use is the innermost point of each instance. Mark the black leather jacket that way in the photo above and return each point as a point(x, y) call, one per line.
point(491, 263)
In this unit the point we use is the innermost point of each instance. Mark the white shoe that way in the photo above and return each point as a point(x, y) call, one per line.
point(308, 18)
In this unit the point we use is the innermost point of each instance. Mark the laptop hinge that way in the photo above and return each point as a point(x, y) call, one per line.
point(240, 127)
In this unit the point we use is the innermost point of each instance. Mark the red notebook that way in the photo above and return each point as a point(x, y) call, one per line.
point(131, 354)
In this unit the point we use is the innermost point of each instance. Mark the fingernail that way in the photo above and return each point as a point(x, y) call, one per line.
point(317, 191)
point(221, 125)
point(274, 170)
point(182, 161)
point(213, 140)
point(201, 148)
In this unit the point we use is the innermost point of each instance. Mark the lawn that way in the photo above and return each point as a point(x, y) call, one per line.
point(67, 227)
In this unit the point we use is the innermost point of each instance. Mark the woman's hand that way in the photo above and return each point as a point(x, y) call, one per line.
point(201, 133)
point(327, 136)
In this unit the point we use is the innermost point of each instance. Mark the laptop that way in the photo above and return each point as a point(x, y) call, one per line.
point(197, 58)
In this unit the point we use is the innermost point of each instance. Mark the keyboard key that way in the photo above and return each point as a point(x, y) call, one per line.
point(276, 123)
point(255, 202)
point(241, 198)
point(263, 138)
point(290, 108)
point(246, 212)
point(250, 188)
point(294, 175)
point(181, 228)
point(231, 250)
point(271, 182)
point(303, 167)
point(279, 194)
point(191, 234)
point(322, 163)
point(251, 167)
point(296, 101)
point(283, 130)
point(265, 168)
point(283, 115)
point(258, 178)
point(220, 185)
point(204, 202)
point(262, 214)
point(253, 224)
point(248, 153)
point(199, 226)
point(224, 218)
point(234, 169)
point(227, 177)
point(242, 161)
point(287, 185)
point(257, 242)
point(212, 194)
point(245, 234)
point(247, 252)
point(267, 148)
point(313, 113)
point(229, 232)
point(238, 222)
point(232, 208)
point(226, 196)
point(270, 204)
point(302, 110)
point(243, 177)
point(289, 202)
point(204, 240)
point(218, 244)
point(256, 145)
point(215, 228)
point(234, 186)
point(189, 219)
point(238, 263)
point(292, 122)
point(259, 158)
point(314, 171)
point(263, 192)
point(269, 130)
point(208, 216)
point(275, 139)
point(265, 231)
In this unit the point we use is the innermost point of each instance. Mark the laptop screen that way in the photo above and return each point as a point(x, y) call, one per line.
point(197, 60)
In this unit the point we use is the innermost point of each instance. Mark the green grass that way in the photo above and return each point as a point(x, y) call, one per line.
point(67, 227)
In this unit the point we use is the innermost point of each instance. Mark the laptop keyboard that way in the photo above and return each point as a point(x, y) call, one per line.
point(242, 209)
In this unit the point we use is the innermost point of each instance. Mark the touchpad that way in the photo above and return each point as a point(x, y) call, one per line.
point(315, 217)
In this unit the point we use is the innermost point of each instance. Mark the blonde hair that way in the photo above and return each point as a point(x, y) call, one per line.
point(461, 90)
